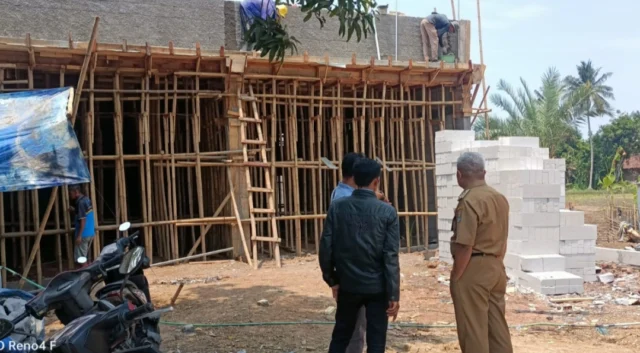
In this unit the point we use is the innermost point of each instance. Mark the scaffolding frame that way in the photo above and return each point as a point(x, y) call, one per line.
point(161, 133)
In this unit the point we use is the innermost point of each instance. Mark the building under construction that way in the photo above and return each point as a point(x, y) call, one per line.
point(212, 151)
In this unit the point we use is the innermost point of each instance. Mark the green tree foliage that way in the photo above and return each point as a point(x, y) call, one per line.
point(623, 131)
point(555, 111)
point(547, 113)
point(598, 94)
point(272, 39)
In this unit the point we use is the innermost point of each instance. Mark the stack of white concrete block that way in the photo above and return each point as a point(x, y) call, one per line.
point(549, 249)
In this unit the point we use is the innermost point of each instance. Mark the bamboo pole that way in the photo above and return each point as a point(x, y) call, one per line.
point(296, 182)
point(41, 228)
point(383, 141)
point(196, 148)
point(173, 117)
point(3, 240)
point(484, 85)
point(424, 181)
point(404, 172)
point(147, 145)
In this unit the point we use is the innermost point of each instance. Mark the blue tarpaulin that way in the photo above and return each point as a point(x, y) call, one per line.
point(38, 147)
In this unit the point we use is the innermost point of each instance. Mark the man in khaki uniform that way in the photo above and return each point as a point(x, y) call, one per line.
point(478, 279)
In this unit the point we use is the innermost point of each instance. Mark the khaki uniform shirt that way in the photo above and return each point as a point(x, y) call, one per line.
point(481, 220)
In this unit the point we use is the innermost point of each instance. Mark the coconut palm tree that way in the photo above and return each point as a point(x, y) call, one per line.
point(591, 84)
point(547, 113)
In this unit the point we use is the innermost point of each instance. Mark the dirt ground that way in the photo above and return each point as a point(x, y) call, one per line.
point(595, 206)
point(228, 292)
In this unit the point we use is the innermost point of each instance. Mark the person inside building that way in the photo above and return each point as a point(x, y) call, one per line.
point(360, 262)
point(478, 279)
point(434, 30)
point(84, 225)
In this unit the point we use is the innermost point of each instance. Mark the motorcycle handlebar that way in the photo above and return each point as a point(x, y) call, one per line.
point(141, 310)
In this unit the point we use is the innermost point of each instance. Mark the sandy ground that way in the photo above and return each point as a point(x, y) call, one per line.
point(595, 206)
point(228, 292)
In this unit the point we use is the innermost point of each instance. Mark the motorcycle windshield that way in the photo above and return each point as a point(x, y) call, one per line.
point(68, 331)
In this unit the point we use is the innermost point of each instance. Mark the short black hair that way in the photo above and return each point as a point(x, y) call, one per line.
point(75, 188)
point(348, 161)
point(365, 171)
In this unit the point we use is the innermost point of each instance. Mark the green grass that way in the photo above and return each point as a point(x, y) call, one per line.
point(599, 198)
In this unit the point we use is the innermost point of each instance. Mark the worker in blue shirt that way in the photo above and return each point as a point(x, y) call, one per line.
point(84, 225)
point(434, 29)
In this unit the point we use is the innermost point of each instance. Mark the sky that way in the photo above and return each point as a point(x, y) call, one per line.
point(523, 38)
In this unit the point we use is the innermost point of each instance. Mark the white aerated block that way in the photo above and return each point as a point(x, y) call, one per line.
point(533, 142)
point(535, 219)
point(455, 135)
point(579, 232)
point(571, 218)
point(541, 263)
point(549, 249)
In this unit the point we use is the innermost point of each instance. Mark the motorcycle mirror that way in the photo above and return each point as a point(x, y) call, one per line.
point(6, 328)
point(82, 260)
point(124, 226)
point(132, 260)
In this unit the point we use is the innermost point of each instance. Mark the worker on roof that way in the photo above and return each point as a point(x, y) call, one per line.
point(435, 29)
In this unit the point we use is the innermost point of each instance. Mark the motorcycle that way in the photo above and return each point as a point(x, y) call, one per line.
point(69, 293)
point(111, 329)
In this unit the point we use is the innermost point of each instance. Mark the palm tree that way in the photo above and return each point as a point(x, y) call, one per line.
point(591, 83)
point(547, 113)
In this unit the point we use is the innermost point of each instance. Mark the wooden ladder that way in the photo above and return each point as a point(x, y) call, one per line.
point(264, 165)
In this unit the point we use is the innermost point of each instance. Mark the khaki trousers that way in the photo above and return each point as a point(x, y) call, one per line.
point(429, 40)
point(478, 300)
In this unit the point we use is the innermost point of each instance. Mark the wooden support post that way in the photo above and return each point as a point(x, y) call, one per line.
point(176, 294)
point(236, 213)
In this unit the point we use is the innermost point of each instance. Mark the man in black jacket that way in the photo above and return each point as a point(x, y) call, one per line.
point(359, 259)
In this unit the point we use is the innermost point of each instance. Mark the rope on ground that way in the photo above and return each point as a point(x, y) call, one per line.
point(399, 324)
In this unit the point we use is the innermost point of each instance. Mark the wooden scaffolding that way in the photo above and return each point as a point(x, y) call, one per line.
point(216, 152)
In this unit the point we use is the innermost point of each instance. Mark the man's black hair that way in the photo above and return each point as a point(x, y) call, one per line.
point(365, 171)
point(75, 188)
point(348, 162)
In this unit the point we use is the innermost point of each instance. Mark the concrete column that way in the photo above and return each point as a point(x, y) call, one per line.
point(237, 173)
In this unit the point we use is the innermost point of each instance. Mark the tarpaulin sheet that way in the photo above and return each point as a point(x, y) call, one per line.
point(38, 147)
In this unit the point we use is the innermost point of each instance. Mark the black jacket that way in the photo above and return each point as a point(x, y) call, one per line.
point(360, 245)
